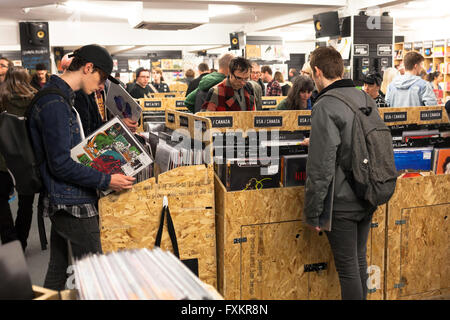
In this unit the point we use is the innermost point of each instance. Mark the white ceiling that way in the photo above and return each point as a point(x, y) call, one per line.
point(111, 22)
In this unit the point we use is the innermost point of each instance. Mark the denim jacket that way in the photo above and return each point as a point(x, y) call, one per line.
point(54, 131)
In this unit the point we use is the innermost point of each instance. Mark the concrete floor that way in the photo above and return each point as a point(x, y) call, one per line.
point(36, 258)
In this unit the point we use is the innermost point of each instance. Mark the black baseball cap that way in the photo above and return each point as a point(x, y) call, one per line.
point(373, 78)
point(99, 57)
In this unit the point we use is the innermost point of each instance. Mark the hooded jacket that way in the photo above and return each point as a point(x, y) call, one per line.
point(410, 91)
point(331, 133)
point(205, 84)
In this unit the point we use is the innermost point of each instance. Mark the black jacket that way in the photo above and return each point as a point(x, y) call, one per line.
point(87, 109)
point(331, 130)
point(194, 83)
point(35, 83)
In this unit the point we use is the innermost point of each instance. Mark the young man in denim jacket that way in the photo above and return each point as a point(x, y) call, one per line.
point(70, 188)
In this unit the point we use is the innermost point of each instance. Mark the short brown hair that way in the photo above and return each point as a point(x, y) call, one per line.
point(411, 59)
point(329, 61)
point(203, 67)
point(265, 69)
point(189, 73)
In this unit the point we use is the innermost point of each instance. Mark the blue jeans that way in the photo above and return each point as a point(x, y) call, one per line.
point(84, 237)
point(348, 241)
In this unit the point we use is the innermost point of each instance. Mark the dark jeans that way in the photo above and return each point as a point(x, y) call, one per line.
point(20, 229)
point(84, 237)
point(348, 241)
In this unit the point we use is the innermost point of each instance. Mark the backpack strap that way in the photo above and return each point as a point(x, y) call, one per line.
point(351, 103)
point(44, 92)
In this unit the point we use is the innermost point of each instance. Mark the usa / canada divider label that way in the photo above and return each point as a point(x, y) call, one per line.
point(221, 122)
point(431, 115)
point(268, 121)
point(304, 121)
point(395, 116)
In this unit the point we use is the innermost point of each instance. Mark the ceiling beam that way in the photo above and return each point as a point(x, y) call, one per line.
point(265, 2)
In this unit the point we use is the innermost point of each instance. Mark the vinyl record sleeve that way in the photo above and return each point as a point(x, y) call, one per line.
point(112, 149)
point(121, 104)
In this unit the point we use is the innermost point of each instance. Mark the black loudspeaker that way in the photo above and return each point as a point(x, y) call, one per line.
point(37, 33)
point(234, 41)
point(326, 24)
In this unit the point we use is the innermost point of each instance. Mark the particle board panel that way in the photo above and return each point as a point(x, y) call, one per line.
point(425, 249)
point(131, 219)
point(272, 261)
point(271, 219)
point(322, 285)
point(414, 115)
point(285, 120)
point(417, 205)
point(376, 255)
point(269, 102)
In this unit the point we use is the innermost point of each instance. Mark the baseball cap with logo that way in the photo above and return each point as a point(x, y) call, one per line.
point(99, 57)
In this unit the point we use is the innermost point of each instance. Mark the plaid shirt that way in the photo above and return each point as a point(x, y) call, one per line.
point(381, 103)
point(274, 89)
point(222, 98)
point(78, 211)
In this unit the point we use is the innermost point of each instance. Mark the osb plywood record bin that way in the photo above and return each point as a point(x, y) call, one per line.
point(264, 249)
point(153, 109)
point(414, 115)
point(269, 103)
point(418, 239)
point(131, 219)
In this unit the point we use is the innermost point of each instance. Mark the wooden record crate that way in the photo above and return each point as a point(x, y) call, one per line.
point(41, 293)
point(131, 219)
point(271, 102)
point(264, 249)
point(414, 115)
point(418, 239)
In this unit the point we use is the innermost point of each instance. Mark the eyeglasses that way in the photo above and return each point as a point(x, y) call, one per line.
point(241, 79)
point(3, 65)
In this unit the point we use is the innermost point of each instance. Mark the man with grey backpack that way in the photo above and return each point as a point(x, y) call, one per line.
point(350, 148)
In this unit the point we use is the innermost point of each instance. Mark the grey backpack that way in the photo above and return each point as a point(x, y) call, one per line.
point(373, 174)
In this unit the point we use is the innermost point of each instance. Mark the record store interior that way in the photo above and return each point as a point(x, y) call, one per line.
point(224, 150)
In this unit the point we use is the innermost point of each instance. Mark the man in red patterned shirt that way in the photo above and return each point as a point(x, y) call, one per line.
point(273, 86)
point(234, 93)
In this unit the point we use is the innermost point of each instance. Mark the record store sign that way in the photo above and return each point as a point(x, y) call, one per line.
point(384, 50)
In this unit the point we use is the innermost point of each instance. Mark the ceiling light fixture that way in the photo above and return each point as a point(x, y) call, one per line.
point(215, 10)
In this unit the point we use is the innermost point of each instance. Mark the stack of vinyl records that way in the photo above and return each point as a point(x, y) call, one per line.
point(140, 274)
